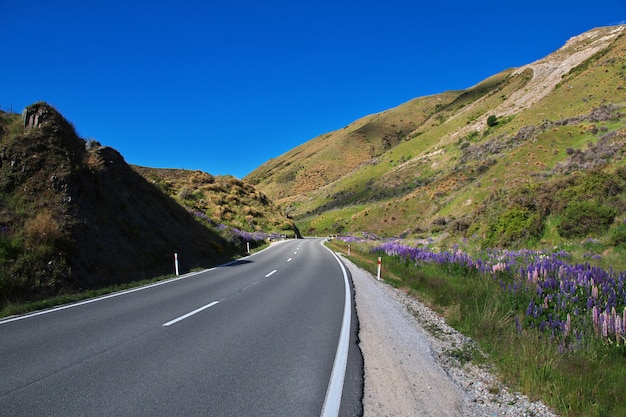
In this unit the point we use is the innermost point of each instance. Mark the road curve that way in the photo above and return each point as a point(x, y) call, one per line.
point(261, 336)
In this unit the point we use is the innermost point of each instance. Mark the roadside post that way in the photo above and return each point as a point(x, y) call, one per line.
point(348, 250)
point(176, 263)
point(378, 273)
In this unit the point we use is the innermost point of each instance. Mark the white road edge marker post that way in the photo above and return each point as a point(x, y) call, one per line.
point(176, 263)
point(378, 273)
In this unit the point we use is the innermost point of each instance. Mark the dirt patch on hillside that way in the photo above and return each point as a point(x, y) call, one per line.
point(549, 71)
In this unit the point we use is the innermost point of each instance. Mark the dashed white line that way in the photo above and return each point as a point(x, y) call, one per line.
point(289, 260)
point(183, 317)
point(270, 274)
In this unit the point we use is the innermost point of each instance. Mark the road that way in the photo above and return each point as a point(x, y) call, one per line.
point(268, 335)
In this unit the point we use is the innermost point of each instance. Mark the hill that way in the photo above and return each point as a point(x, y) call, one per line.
point(513, 160)
point(222, 200)
point(74, 215)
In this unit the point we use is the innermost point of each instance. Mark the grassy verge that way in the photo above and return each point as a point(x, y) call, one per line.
point(586, 381)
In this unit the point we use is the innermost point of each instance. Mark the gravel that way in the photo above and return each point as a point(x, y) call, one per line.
point(412, 365)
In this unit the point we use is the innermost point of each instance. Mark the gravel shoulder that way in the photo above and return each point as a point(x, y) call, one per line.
point(411, 372)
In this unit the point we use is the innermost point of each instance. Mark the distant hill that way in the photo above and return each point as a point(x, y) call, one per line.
point(222, 200)
point(75, 215)
point(511, 161)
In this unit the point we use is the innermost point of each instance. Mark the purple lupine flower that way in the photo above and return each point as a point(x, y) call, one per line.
point(558, 290)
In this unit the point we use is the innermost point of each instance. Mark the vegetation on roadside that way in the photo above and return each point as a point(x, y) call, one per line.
point(553, 330)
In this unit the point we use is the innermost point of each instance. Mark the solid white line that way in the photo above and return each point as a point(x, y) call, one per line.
point(270, 274)
point(332, 402)
point(183, 317)
point(104, 297)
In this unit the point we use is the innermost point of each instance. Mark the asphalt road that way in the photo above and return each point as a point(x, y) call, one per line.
point(259, 337)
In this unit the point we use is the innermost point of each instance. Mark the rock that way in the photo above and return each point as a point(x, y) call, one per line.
point(34, 115)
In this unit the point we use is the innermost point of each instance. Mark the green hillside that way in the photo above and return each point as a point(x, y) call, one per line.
point(223, 200)
point(502, 163)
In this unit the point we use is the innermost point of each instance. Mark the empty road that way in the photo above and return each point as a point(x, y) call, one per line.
point(268, 335)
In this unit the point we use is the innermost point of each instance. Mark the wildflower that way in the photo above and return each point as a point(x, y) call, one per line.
point(594, 292)
point(605, 323)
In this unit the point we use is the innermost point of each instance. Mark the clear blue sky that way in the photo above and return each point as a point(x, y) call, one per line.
point(223, 86)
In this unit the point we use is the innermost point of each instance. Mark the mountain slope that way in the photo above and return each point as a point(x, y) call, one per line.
point(458, 160)
point(221, 200)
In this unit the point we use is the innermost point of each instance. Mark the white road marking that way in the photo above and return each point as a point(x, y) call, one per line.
point(289, 260)
point(183, 317)
point(101, 298)
point(270, 274)
point(332, 402)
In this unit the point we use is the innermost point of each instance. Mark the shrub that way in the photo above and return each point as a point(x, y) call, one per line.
point(492, 120)
point(185, 193)
point(513, 225)
point(617, 235)
point(189, 194)
point(10, 247)
point(251, 211)
point(42, 229)
point(583, 218)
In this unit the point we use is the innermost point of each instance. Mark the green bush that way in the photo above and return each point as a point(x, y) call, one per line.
point(10, 248)
point(584, 218)
point(492, 120)
point(617, 235)
point(594, 185)
point(513, 225)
